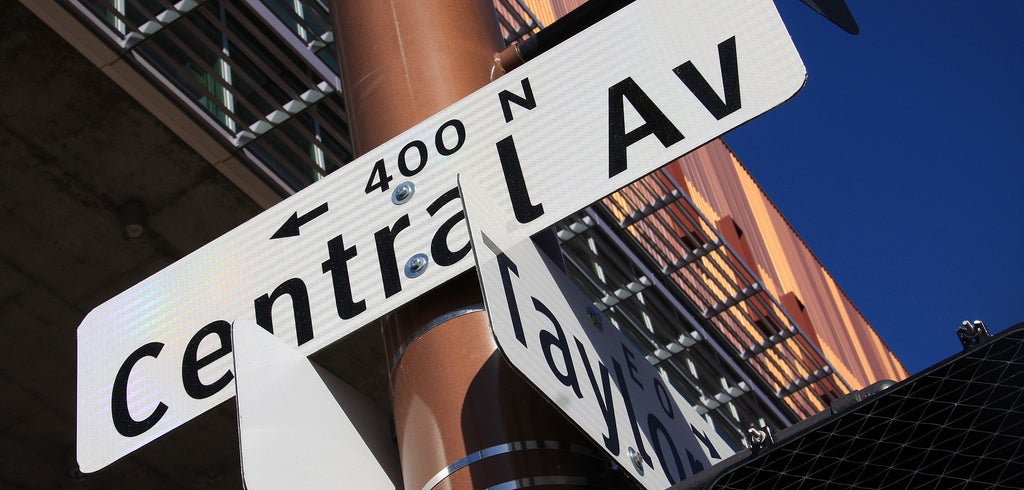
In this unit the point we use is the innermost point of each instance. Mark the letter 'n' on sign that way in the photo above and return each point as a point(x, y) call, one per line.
point(526, 100)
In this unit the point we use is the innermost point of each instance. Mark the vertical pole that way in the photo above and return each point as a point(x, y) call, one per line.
point(463, 418)
point(405, 60)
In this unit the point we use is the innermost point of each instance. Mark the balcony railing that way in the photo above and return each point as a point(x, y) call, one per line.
point(667, 278)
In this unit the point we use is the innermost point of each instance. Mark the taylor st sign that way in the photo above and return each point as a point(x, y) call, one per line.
point(660, 78)
point(562, 343)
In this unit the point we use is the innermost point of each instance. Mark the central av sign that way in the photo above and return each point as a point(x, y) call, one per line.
point(660, 78)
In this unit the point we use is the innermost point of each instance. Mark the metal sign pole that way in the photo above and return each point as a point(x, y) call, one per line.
point(462, 416)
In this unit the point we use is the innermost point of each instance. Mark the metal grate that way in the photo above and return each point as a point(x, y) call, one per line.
point(636, 302)
point(959, 424)
point(667, 279)
point(516, 20)
point(263, 75)
point(690, 255)
point(308, 20)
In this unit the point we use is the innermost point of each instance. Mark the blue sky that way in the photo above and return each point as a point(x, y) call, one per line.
point(900, 164)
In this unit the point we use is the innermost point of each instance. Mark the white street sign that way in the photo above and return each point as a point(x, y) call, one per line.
point(301, 427)
point(640, 88)
point(562, 344)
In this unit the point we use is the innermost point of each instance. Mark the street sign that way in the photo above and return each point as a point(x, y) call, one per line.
point(301, 427)
point(636, 90)
point(559, 340)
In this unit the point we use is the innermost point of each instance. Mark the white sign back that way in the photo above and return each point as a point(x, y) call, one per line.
point(301, 427)
point(638, 89)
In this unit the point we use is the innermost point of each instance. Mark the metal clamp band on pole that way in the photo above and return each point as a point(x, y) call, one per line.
point(568, 26)
point(505, 449)
point(430, 326)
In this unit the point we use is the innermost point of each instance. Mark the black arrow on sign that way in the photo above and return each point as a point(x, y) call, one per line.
point(291, 226)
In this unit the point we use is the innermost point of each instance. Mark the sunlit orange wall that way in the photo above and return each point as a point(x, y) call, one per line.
point(547, 11)
point(721, 187)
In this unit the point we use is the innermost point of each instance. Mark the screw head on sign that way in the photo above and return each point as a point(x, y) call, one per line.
point(596, 318)
point(637, 462)
point(403, 193)
point(416, 265)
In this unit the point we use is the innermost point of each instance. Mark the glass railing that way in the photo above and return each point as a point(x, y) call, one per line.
point(262, 73)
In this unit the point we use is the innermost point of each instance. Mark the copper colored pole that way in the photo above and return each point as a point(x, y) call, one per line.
point(405, 60)
point(463, 417)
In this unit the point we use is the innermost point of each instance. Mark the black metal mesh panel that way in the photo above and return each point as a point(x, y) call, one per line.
point(958, 425)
